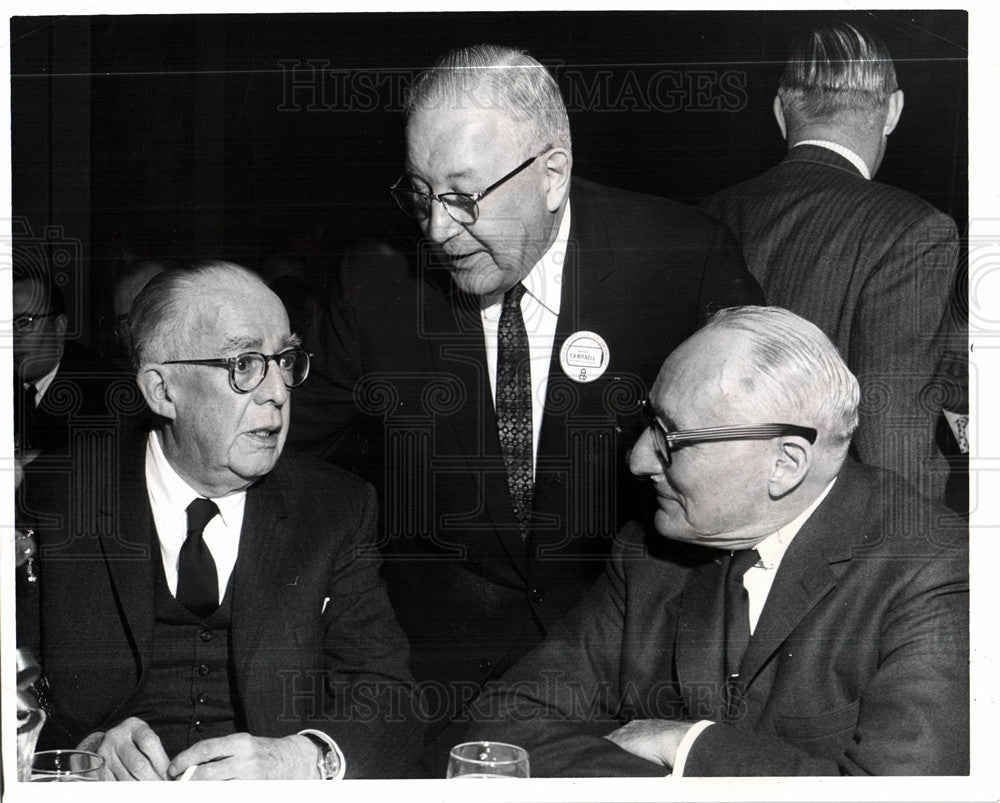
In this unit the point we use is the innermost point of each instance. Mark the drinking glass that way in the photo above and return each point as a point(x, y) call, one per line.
point(66, 765)
point(487, 760)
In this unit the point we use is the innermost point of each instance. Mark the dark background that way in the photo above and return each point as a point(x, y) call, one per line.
point(244, 136)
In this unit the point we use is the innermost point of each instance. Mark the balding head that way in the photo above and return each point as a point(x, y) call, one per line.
point(747, 367)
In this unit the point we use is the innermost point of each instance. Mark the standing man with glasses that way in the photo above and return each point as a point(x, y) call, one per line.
point(480, 386)
point(785, 611)
point(203, 606)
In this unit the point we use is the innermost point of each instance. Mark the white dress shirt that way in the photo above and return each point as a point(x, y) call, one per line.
point(757, 581)
point(540, 310)
point(169, 497)
point(42, 384)
point(836, 147)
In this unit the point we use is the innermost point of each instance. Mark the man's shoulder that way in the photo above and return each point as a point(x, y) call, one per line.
point(637, 212)
point(878, 513)
point(820, 170)
point(307, 475)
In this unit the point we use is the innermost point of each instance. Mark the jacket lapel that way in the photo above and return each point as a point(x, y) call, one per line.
point(805, 575)
point(454, 322)
point(128, 541)
point(259, 564)
point(577, 445)
point(699, 653)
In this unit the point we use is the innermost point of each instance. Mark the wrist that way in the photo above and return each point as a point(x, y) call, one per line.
point(330, 763)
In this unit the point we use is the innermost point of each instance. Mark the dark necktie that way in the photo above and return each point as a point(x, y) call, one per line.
point(197, 580)
point(514, 406)
point(24, 412)
point(737, 609)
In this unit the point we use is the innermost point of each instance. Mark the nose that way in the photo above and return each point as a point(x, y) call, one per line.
point(272, 388)
point(644, 461)
point(440, 226)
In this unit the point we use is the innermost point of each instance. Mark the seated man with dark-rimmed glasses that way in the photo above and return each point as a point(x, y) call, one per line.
point(786, 611)
point(202, 606)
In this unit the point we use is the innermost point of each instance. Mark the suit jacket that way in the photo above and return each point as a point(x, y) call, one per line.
point(298, 661)
point(402, 394)
point(871, 265)
point(88, 395)
point(858, 664)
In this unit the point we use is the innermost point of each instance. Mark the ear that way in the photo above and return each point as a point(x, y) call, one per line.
point(558, 165)
point(155, 388)
point(779, 116)
point(792, 461)
point(894, 112)
point(62, 324)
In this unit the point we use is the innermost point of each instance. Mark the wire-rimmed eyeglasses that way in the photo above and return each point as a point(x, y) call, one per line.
point(461, 206)
point(665, 440)
point(247, 370)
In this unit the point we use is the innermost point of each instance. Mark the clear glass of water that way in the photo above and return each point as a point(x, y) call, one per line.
point(66, 765)
point(487, 760)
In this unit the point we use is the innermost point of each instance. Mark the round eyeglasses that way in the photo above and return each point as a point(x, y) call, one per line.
point(247, 370)
point(665, 441)
point(461, 206)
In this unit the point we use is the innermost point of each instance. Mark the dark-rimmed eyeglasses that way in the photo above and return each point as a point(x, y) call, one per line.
point(25, 322)
point(461, 206)
point(247, 370)
point(665, 440)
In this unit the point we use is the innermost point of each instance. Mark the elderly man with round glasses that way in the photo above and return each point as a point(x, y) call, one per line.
point(205, 607)
point(479, 383)
point(785, 610)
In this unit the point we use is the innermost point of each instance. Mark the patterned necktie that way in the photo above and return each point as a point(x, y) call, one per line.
point(737, 609)
point(514, 406)
point(197, 580)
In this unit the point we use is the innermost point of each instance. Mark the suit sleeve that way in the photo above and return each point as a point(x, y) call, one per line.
point(913, 716)
point(563, 698)
point(371, 709)
point(900, 322)
point(725, 281)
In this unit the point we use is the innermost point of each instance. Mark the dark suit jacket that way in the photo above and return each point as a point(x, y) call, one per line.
point(88, 395)
point(871, 265)
point(402, 394)
point(296, 666)
point(858, 664)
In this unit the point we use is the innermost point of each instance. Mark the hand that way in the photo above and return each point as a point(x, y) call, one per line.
point(655, 740)
point(245, 757)
point(131, 751)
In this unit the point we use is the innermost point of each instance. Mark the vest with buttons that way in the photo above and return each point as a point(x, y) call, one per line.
point(189, 693)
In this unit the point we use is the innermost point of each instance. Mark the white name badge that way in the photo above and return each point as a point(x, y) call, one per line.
point(584, 356)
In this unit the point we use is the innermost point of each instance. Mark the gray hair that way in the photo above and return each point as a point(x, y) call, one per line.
point(162, 308)
point(504, 79)
point(836, 70)
point(795, 367)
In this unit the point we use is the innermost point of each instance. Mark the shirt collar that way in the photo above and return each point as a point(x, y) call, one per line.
point(168, 489)
point(42, 384)
point(847, 153)
point(544, 280)
point(772, 549)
